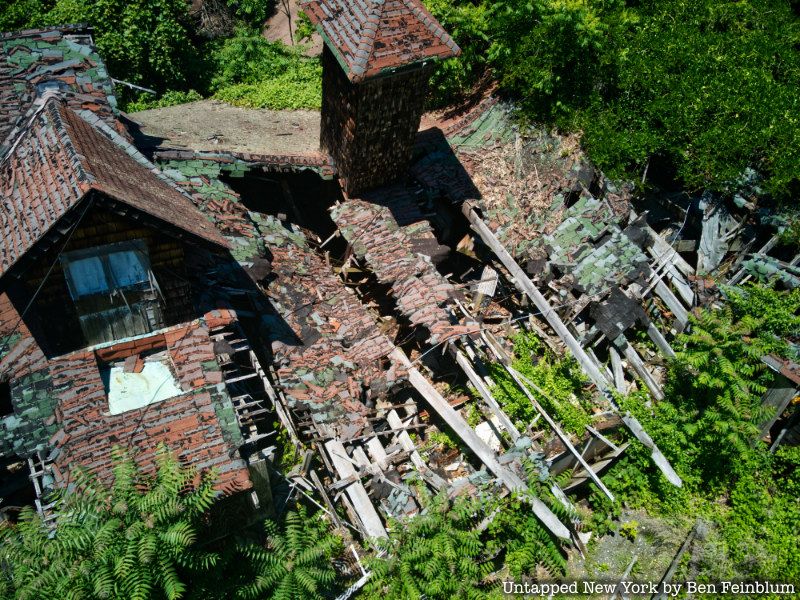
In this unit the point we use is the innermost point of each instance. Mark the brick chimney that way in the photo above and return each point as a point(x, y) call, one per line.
point(376, 64)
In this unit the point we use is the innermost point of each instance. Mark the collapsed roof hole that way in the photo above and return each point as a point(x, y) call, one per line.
point(6, 406)
point(453, 231)
point(300, 198)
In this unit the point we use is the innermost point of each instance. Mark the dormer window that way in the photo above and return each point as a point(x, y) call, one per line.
point(114, 291)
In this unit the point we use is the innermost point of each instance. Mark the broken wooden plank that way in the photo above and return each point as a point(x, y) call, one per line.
point(377, 452)
point(601, 437)
point(662, 246)
point(658, 458)
point(519, 378)
point(675, 277)
point(373, 526)
point(408, 445)
point(681, 314)
point(637, 364)
point(659, 340)
point(617, 370)
point(581, 477)
point(477, 382)
point(673, 566)
point(482, 450)
point(326, 499)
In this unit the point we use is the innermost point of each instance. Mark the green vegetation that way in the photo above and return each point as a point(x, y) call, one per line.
point(252, 72)
point(445, 553)
point(708, 430)
point(295, 562)
point(145, 537)
point(703, 89)
point(134, 539)
point(561, 379)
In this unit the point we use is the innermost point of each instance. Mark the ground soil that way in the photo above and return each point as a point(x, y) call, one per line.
point(215, 126)
point(277, 29)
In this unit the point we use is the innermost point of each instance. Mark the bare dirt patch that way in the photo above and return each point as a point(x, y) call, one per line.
point(215, 126)
point(276, 29)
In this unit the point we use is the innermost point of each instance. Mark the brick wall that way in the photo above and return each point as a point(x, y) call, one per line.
point(369, 128)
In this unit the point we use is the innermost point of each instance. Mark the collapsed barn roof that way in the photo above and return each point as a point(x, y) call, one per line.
point(373, 37)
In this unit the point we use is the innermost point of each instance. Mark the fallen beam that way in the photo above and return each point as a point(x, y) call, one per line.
point(373, 526)
point(619, 373)
point(482, 450)
point(671, 300)
point(659, 340)
point(476, 381)
point(636, 362)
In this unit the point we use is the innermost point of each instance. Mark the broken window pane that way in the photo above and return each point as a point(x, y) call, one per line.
point(86, 277)
point(127, 269)
point(112, 291)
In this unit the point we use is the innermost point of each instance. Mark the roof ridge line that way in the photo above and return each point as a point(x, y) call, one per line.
point(84, 175)
point(115, 138)
point(366, 45)
point(51, 99)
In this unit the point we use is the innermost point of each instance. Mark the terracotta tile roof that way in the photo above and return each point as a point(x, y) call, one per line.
point(342, 351)
point(62, 57)
point(421, 292)
point(191, 425)
point(58, 159)
point(370, 37)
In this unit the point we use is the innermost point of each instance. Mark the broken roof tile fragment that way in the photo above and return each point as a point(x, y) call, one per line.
point(61, 59)
point(373, 37)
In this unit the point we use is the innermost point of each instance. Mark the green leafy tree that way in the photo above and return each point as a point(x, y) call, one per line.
point(253, 72)
point(147, 42)
point(135, 538)
point(437, 554)
point(295, 562)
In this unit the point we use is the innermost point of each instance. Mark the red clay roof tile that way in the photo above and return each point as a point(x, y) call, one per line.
point(57, 160)
point(372, 36)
